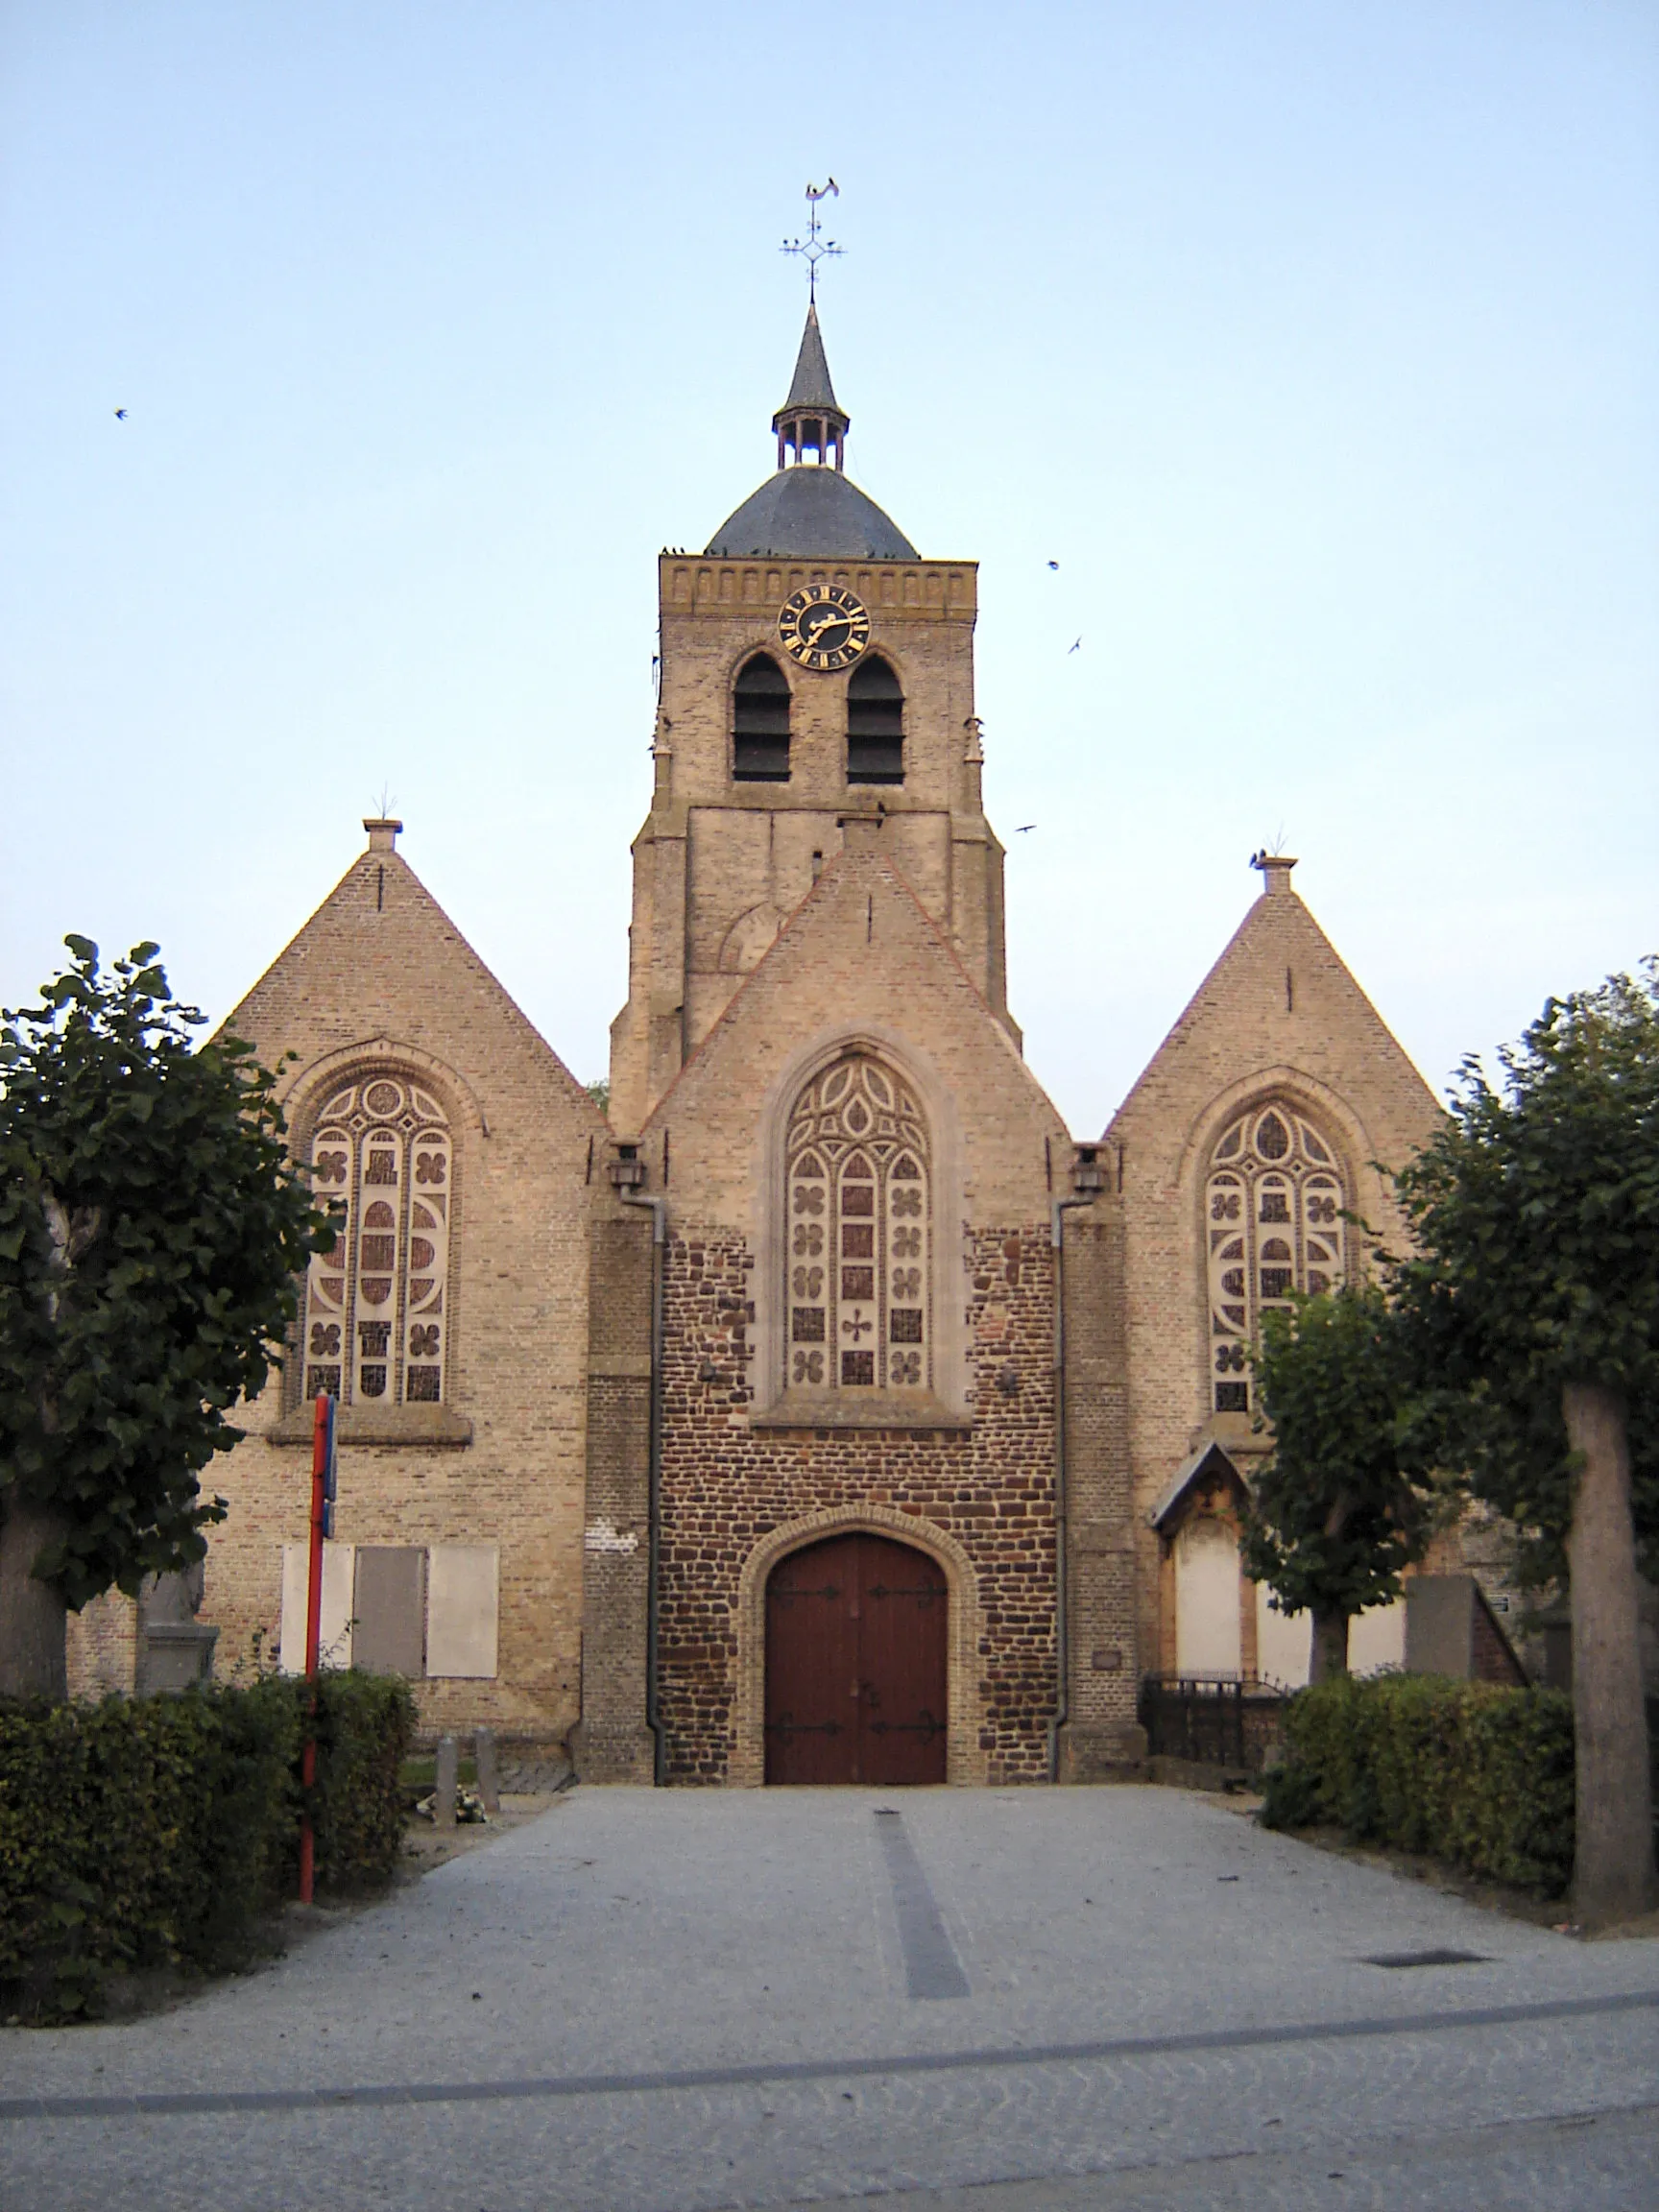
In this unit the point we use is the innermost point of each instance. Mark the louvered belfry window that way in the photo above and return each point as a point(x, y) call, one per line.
point(1273, 1206)
point(761, 723)
point(857, 1260)
point(875, 724)
point(375, 1328)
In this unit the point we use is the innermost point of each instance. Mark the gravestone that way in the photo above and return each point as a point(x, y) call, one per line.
point(173, 1648)
point(484, 1759)
point(449, 1777)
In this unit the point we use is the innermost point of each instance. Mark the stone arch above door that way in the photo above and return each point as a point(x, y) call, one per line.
point(965, 1761)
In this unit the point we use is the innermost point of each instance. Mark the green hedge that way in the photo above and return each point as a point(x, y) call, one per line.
point(153, 1832)
point(1468, 1772)
point(365, 1726)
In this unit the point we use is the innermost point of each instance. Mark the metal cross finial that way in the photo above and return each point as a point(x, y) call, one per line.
point(814, 247)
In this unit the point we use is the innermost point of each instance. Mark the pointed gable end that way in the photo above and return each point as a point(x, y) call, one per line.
point(1280, 1009)
point(380, 964)
point(860, 956)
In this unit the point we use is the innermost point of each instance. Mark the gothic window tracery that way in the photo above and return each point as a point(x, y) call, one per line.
point(1274, 1201)
point(374, 1325)
point(856, 1291)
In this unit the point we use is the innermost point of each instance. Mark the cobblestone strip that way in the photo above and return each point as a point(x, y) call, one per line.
point(157, 2102)
point(931, 1966)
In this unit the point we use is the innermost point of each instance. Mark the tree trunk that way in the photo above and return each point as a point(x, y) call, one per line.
point(1329, 1654)
point(33, 1620)
point(1613, 1867)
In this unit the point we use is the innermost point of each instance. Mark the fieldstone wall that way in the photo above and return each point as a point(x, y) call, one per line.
point(987, 1488)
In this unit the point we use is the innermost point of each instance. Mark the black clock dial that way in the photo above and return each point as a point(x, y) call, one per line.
point(823, 627)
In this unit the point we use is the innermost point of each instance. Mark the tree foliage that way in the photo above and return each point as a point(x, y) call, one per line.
point(1535, 1212)
point(152, 1228)
point(1342, 1504)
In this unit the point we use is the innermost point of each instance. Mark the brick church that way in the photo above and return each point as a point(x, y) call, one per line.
point(828, 1411)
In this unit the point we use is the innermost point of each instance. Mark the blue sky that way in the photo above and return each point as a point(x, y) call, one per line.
point(1317, 343)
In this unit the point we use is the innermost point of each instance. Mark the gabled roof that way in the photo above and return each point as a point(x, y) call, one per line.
point(1281, 996)
point(380, 959)
point(859, 867)
point(1205, 1464)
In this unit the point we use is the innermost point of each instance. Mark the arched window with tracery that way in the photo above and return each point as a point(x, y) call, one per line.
point(1274, 1201)
point(375, 1326)
point(858, 1264)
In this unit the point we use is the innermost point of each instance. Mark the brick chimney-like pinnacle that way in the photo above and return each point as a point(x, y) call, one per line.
point(1275, 870)
point(382, 832)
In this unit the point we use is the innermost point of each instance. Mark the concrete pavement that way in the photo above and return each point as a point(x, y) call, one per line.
point(662, 2001)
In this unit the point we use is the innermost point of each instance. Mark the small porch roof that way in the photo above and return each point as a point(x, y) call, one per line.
point(1207, 1461)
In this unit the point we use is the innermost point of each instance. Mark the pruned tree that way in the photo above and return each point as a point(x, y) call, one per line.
point(1343, 1503)
point(1532, 1299)
point(152, 1230)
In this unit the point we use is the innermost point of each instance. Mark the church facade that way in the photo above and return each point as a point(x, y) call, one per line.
point(828, 1411)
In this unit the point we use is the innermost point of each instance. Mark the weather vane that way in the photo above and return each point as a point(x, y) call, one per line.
point(814, 247)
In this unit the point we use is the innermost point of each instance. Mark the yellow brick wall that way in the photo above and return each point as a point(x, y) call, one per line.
point(720, 864)
point(1277, 1015)
point(380, 976)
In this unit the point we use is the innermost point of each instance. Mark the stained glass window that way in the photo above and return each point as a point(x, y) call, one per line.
point(857, 1288)
point(375, 1328)
point(1273, 1219)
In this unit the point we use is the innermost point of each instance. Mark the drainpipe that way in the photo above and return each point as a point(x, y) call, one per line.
point(1088, 1178)
point(659, 1210)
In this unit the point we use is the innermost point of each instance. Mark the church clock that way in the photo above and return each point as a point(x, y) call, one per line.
point(823, 626)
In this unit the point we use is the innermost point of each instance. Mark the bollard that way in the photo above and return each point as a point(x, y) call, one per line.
point(484, 1759)
point(447, 1782)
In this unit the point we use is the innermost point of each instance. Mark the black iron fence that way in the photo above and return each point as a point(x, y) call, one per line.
point(1216, 1720)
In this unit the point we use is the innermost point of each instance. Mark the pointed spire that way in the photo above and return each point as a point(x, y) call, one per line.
point(812, 387)
point(812, 419)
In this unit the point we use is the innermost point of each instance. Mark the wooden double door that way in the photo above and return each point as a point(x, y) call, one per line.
point(856, 1664)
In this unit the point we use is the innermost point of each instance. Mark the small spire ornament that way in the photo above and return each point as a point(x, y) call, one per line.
point(814, 247)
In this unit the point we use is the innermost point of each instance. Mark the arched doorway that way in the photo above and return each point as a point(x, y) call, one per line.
point(857, 1667)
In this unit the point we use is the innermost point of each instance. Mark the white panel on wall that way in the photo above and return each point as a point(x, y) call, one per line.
point(1377, 1638)
point(1284, 1643)
point(461, 1607)
point(334, 1630)
point(1207, 1640)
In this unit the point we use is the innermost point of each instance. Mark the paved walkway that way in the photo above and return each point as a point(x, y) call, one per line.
point(662, 2001)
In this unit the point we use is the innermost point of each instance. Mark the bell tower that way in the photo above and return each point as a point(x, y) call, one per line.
point(815, 671)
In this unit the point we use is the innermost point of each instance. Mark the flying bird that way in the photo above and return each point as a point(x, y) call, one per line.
point(1053, 563)
point(1074, 647)
point(1023, 826)
point(120, 413)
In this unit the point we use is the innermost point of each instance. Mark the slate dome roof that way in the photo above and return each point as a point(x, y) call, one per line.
point(810, 510)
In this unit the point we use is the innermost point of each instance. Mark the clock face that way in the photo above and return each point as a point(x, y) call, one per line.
point(823, 626)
